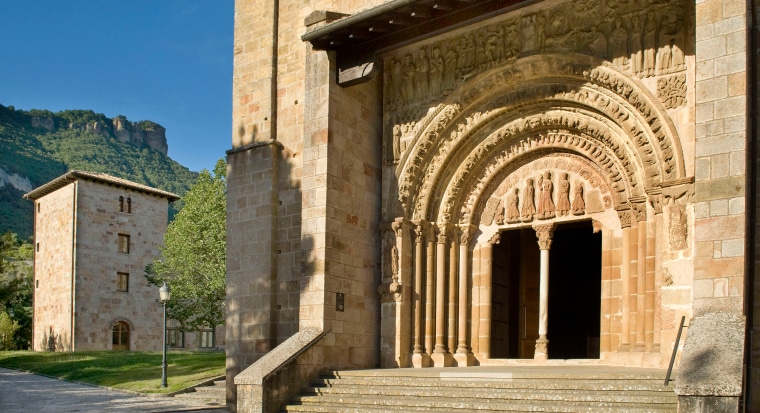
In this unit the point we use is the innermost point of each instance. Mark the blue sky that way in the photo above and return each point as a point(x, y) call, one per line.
point(169, 61)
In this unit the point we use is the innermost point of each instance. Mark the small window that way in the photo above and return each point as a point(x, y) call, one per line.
point(207, 339)
point(38, 207)
point(121, 204)
point(124, 243)
point(37, 284)
point(175, 338)
point(129, 205)
point(38, 247)
point(122, 284)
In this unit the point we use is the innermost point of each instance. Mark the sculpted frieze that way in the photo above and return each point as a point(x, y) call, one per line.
point(641, 40)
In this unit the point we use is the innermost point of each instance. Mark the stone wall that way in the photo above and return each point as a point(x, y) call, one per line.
point(98, 303)
point(53, 270)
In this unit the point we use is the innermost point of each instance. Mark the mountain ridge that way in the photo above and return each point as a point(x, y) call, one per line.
point(39, 146)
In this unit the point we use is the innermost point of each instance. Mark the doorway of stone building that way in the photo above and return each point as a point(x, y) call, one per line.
point(120, 336)
point(574, 293)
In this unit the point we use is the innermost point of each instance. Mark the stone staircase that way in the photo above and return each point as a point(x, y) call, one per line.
point(213, 394)
point(489, 389)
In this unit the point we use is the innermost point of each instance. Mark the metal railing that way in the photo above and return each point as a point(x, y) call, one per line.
point(675, 350)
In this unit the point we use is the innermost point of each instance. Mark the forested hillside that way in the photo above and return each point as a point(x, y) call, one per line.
point(37, 146)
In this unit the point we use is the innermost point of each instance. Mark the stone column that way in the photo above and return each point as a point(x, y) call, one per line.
point(419, 358)
point(640, 214)
point(430, 290)
point(441, 356)
point(625, 281)
point(395, 295)
point(544, 233)
point(451, 305)
point(486, 278)
point(463, 355)
point(653, 272)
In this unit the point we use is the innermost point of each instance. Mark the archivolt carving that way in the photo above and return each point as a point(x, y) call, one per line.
point(642, 40)
point(593, 142)
point(600, 90)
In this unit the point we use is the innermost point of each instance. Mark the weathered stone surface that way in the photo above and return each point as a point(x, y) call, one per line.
point(713, 356)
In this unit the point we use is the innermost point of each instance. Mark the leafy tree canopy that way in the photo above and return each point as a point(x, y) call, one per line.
point(194, 253)
point(16, 281)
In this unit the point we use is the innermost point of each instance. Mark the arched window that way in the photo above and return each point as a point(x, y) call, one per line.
point(121, 204)
point(129, 205)
point(121, 336)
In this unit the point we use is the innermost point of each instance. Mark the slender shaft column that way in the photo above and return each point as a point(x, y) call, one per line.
point(451, 305)
point(463, 355)
point(484, 313)
point(641, 275)
point(430, 290)
point(625, 282)
point(419, 358)
point(544, 233)
point(653, 270)
point(441, 356)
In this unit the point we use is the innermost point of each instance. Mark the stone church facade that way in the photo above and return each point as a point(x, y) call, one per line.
point(94, 234)
point(464, 183)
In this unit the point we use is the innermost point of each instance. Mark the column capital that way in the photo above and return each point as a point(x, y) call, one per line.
point(639, 211)
point(399, 225)
point(466, 233)
point(545, 233)
point(442, 232)
point(625, 216)
point(420, 230)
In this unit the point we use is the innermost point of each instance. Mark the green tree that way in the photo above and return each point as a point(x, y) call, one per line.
point(16, 280)
point(8, 328)
point(194, 253)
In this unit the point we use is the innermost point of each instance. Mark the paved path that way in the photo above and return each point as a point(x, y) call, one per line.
point(28, 393)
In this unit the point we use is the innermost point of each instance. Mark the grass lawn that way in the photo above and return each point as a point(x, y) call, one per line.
point(136, 371)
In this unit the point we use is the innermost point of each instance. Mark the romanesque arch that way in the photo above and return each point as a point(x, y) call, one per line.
point(527, 135)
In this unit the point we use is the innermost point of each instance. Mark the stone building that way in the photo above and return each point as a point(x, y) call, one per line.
point(94, 235)
point(468, 182)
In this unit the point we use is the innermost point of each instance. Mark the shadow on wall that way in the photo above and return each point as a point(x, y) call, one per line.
point(54, 342)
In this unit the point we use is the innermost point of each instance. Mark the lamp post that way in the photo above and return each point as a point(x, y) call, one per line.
point(165, 293)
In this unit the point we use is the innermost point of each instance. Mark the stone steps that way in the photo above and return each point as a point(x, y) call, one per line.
point(214, 394)
point(482, 390)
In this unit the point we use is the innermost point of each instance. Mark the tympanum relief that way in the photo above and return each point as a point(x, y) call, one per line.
point(552, 187)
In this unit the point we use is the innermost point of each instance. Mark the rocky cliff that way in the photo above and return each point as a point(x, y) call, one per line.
point(140, 134)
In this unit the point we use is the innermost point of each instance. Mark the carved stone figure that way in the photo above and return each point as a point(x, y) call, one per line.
point(449, 75)
point(670, 58)
point(545, 201)
point(436, 73)
point(649, 43)
point(396, 82)
point(408, 74)
point(619, 44)
point(396, 143)
point(513, 211)
point(422, 71)
point(637, 58)
point(677, 229)
point(563, 196)
point(529, 203)
point(579, 206)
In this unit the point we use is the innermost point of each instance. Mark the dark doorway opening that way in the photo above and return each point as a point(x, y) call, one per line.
point(575, 292)
point(575, 279)
point(514, 295)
